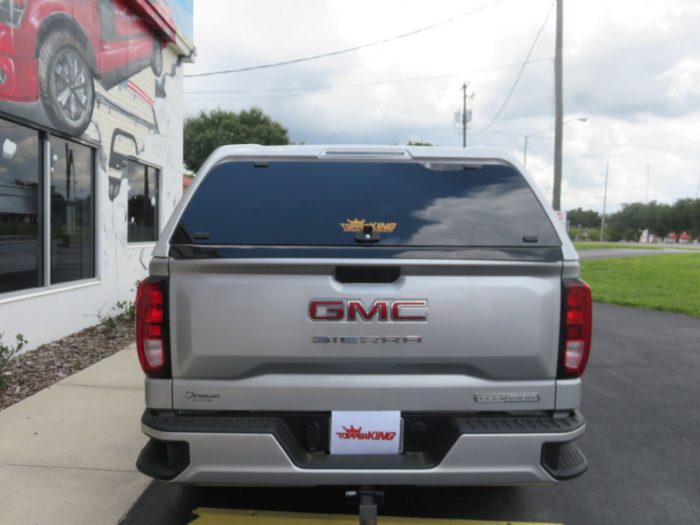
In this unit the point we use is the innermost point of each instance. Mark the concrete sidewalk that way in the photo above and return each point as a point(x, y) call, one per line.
point(67, 453)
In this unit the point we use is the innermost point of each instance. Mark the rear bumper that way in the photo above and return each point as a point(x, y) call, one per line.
point(254, 450)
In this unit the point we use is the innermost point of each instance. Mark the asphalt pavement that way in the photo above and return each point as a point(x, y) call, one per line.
point(641, 404)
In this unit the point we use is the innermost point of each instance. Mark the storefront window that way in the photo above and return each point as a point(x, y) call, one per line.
point(20, 208)
point(72, 211)
point(143, 203)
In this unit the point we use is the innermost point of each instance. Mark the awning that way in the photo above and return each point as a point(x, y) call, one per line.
point(156, 14)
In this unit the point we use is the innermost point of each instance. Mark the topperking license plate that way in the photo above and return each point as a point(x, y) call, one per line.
point(375, 432)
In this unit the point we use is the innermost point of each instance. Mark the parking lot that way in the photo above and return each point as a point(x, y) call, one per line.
point(640, 401)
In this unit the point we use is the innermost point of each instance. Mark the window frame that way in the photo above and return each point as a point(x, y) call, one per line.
point(44, 152)
point(159, 173)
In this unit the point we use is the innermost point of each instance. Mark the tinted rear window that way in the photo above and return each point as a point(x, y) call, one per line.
point(325, 203)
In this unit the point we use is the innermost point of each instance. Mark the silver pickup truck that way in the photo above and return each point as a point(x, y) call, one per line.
point(347, 315)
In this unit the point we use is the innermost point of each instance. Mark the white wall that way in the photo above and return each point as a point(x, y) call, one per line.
point(44, 315)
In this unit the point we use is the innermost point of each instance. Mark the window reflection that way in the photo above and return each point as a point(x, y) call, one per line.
point(497, 215)
point(143, 203)
point(72, 211)
point(326, 203)
point(20, 205)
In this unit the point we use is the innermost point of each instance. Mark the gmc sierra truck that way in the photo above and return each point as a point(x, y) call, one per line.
point(363, 316)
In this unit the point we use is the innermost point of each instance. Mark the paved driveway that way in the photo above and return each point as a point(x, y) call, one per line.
point(642, 390)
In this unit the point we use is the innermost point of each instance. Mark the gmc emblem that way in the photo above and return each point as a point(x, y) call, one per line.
point(381, 310)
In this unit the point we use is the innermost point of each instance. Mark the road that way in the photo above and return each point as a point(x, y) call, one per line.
point(641, 404)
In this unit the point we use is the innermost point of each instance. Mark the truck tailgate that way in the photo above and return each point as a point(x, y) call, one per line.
point(243, 337)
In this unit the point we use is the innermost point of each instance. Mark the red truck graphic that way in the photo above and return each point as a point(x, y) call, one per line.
point(54, 50)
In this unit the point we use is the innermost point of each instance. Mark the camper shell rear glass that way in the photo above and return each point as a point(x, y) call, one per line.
point(338, 203)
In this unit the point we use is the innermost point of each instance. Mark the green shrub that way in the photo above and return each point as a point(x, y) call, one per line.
point(8, 352)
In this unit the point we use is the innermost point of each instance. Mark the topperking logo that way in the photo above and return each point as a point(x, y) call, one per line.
point(356, 225)
point(356, 433)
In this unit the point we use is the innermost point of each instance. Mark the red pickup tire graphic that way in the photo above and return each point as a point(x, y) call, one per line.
point(157, 58)
point(66, 83)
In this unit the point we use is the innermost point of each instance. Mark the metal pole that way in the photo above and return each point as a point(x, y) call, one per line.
point(605, 202)
point(464, 114)
point(559, 108)
point(45, 213)
point(580, 119)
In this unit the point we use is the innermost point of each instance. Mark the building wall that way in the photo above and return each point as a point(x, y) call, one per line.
point(136, 124)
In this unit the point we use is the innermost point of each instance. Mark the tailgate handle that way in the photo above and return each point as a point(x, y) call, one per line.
point(367, 274)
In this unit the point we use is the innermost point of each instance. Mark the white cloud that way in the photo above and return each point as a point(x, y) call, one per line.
point(683, 79)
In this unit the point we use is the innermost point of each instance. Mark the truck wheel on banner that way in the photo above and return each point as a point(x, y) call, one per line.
point(157, 58)
point(66, 83)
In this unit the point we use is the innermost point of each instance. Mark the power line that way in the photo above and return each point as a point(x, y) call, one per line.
point(326, 87)
point(520, 73)
point(602, 143)
point(346, 50)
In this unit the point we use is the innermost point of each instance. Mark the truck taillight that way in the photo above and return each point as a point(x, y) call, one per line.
point(577, 327)
point(150, 326)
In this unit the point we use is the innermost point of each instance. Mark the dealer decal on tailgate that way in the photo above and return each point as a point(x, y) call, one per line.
point(376, 432)
point(356, 433)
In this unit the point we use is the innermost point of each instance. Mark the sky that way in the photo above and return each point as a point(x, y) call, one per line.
point(631, 70)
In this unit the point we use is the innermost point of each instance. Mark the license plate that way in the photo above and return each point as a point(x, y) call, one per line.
point(371, 433)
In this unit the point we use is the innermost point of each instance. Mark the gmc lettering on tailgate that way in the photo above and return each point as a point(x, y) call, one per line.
point(383, 310)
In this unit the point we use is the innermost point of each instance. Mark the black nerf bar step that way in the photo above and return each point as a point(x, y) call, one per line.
point(163, 460)
point(270, 423)
point(564, 460)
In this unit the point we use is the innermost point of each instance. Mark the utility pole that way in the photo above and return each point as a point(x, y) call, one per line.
point(605, 202)
point(464, 114)
point(558, 107)
point(527, 137)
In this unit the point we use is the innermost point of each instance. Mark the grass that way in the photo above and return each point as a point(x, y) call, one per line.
point(591, 245)
point(663, 282)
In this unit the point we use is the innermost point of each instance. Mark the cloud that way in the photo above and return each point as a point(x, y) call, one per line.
point(467, 220)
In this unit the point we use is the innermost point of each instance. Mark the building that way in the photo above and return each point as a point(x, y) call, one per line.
point(91, 126)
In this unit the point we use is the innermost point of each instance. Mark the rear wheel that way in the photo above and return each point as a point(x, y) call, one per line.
point(66, 83)
point(157, 58)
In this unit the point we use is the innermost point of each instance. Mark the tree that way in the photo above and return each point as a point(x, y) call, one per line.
point(583, 218)
point(682, 217)
point(660, 219)
point(628, 223)
point(695, 218)
point(656, 219)
point(208, 131)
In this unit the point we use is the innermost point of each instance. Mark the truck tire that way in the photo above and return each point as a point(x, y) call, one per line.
point(66, 83)
point(157, 58)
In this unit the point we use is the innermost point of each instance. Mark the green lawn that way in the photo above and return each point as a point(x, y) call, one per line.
point(659, 282)
point(590, 245)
